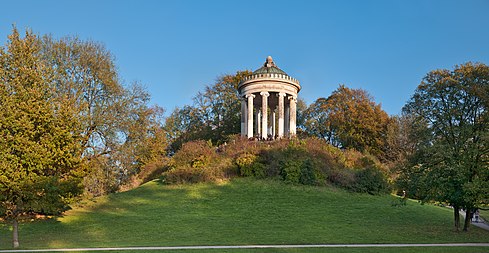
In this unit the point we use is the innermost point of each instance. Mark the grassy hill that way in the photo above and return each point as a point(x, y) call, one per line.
point(242, 211)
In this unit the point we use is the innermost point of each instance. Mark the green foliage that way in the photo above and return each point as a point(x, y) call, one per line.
point(119, 132)
point(249, 166)
point(342, 177)
point(371, 180)
point(349, 118)
point(308, 173)
point(291, 171)
point(214, 115)
point(296, 165)
point(309, 162)
point(450, 110)
point(40, 155)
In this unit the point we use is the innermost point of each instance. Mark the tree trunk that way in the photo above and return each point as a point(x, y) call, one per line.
point(456, 217)
point(468, 215)
point(15, 236)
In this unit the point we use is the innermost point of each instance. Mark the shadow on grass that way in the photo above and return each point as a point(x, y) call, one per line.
point(243, 211)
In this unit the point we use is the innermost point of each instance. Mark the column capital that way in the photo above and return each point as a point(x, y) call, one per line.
point(293, 97)
point(249, 95)
point(281, 94)
point(265, 93)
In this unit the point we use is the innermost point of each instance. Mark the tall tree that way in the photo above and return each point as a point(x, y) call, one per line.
point(349, 118)
point(214, 115)
point(114, 119)
point(39, 152)
point(452, 165)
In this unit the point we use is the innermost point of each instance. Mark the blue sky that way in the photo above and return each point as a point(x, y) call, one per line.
point(176, 48)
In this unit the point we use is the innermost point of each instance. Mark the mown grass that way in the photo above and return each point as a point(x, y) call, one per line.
point(244, 212)
point(484, 214)
point(336, 250)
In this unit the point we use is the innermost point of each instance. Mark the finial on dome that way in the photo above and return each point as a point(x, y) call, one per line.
point(269, 63)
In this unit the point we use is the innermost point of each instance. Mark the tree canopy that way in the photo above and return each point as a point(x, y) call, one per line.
point(40, 155)
point(349, 118)
point(214, 115)
point(67, 123)
point(116, 126)
point(451, 161)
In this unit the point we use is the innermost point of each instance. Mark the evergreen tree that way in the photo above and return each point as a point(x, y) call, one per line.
point(39, 153)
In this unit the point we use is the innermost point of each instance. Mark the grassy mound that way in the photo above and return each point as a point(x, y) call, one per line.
point(308, 161)
point(242, 211)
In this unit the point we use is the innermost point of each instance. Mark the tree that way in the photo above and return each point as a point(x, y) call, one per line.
point(452, 164)
point(301, 117)
point(349, 118)
point(115, 121)
point(214, 115)
point(39, 153)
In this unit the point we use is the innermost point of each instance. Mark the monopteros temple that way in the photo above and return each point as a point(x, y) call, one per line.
point(268, 107)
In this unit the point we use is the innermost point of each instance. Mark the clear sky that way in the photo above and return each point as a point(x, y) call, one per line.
point(175, 48)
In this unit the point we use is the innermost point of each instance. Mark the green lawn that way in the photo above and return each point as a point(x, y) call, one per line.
point(242, 212)
point(484, 214)
point(334, 250)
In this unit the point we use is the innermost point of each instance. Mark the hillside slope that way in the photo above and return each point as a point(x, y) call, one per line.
point(242, 211)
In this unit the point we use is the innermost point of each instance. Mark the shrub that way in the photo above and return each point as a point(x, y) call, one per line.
point(371, 180)
point(153, 170)
point(342, 177)
point(197, 161)
point(249, 166)
point(239, 145)
point(308, 173)
point(291, 171)
point(245, 162)
point(196, 154)
point(186, 174)
point(310, 161)
point(221, 170)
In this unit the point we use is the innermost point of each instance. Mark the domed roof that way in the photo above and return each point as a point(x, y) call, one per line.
point(269, 67)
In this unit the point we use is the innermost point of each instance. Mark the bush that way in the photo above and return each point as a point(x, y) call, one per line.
point(301, 172)
point(291, 171)
point(153, 170)
point(219, 171)
point(308, 174)
point(371, 180)
point(196, 154)
point(249, 166)
point(186, 174)
point(197, 161)
point(310, 161)
point(342, 177)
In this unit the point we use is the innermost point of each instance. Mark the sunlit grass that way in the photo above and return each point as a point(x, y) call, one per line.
point(242, 212)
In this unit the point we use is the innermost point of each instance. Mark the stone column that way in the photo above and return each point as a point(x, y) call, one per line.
point(274, 122)
point(250, 115)
point(281, 107)
point(258, 122)
point(293, 113)
point(243, 118)
point(287, 120)
point(264, 114)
